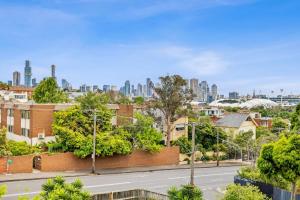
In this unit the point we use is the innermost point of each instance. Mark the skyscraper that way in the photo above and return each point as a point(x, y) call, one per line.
point(16, 78)
point(204, 91)
point(9, 83)
point(106, 88)
point(34, 83)
point(27, 74)
point(214, 92)
point(65, 84)
point(233, 95)
point(139, 90)
point(127, 88)
point(194, 86)
point(53, 69)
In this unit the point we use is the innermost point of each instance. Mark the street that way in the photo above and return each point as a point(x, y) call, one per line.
point(211, 181)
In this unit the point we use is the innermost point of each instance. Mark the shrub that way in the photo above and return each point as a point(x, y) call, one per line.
point(2, 190)
point(186, 192)
point(19, 148)
point(184, 144)
point(237, 192)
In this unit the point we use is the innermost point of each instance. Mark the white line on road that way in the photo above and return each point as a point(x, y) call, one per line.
point(207, 175)
point(107, 185)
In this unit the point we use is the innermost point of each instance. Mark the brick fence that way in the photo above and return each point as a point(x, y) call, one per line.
point(69, 162)
point(20, 164)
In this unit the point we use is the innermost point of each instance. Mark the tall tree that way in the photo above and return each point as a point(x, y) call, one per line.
point(282, 159)
point(171, 98)
point(295, 120)
point(48, 92)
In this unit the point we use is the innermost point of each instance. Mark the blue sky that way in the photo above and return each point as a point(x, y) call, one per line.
point(238, 44)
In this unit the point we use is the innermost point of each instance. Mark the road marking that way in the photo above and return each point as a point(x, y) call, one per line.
point(199, 176)
point(107, 185)
point(21, 194)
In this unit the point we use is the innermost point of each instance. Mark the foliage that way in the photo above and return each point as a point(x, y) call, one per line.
point(238, 192)
point(184, 144)
point(295, 119)
point(2, 190)
point(4, 86)
point(206, 135)
point(232, 109)
point(279, 125)
point(19, 148)
point(252, 173)
point(139, 100)
point(186, 192)
point(143, 135)
point(245, 139)
point(4, 151)
point(48, 92)
point(262, 131)
point(282, 112)
point(57, 188)
point(282, 159)
point(170, 99)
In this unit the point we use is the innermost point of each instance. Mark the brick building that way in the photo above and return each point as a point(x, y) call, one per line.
point(33, 122)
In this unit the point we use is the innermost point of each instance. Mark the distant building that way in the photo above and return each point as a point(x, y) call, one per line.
point(149, 87)
point(27, 74)
point(194, 86)
point(95, 88)
point(139, 90)
point(233, 95)
point(16, 78)
point(204, 91)
point(114, 88)
point(82, 88)
point(34, 83)
point(9, 83)
point(53, 69)
point(65, 84)
point(214, 92)
point(106, 88)
point(127, 88)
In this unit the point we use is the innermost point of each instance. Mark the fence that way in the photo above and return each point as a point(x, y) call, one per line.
point(131, 195)
point(269, 190)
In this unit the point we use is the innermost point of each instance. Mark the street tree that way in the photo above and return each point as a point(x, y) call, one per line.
point(279, 125)
point(282, 159)
point(186, 192)
point(295, 120)
point(238, 192)
point(49, 92)
point(171, 99)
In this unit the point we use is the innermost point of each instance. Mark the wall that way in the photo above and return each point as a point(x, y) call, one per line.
point(124, 114)
point(68, 162)
point(20, 164)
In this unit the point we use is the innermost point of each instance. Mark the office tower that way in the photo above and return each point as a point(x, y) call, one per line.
point(27, 74)
point(65, 84)
point(88, 88)
point(83, 88)
point(9, 83)
point(132, 91)
point(194, 86)
point(114, 88)
point(214, 92)
point(53, 69)
point(127, 88)
point(106, 88)
point(144, 90)
point(16, 78)
point(95, 88)
point(204, 91)
point(149, 87)
point(139, 90)
point(233, 95)
point(34, 83)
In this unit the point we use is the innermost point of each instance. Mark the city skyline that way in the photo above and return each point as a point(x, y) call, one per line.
point(109, 42)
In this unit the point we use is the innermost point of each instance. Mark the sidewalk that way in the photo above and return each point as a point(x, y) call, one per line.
point(46, 175)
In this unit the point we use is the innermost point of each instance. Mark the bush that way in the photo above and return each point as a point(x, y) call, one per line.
point(186, 192)
point(19, 148)
point(184, 144)
point(2, 190)
point(254, 174)
point(237, 192)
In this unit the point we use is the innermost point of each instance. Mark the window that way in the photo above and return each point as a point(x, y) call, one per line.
point(10, 112)
point(180, 127)
point(25, 132)
point(25, 114)
point(10, 128)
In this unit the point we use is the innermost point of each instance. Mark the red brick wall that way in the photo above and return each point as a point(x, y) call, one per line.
point(41, 118)
point(17, 121)
point(68, 162)
point(20, 164)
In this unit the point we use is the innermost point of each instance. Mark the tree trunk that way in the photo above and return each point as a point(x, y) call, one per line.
point(168, 132)
point(294, 188)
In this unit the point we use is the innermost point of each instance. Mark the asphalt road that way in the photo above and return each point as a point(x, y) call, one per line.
point(212, 182)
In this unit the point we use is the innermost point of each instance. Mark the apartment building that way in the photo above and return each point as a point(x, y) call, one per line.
point(33, 122)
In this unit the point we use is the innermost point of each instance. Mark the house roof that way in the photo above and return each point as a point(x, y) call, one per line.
point(234, 120)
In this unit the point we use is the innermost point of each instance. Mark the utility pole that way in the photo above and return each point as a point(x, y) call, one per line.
point(193, 154)
point(218, 150)
point(94, 145)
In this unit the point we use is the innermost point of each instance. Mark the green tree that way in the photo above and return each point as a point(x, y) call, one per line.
point(170, 99)
point(19, 148)
point(279, 125)
point(184, 144)
point(139, 101)
point(4, 86)
point(246, 142)
point(237, 192)
point(263, 131)
point(295, 120)
point(282, 159)
point(48, 92)
point(206, 135)
point(4, 150)
point(186, 192)
point(57, 188)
